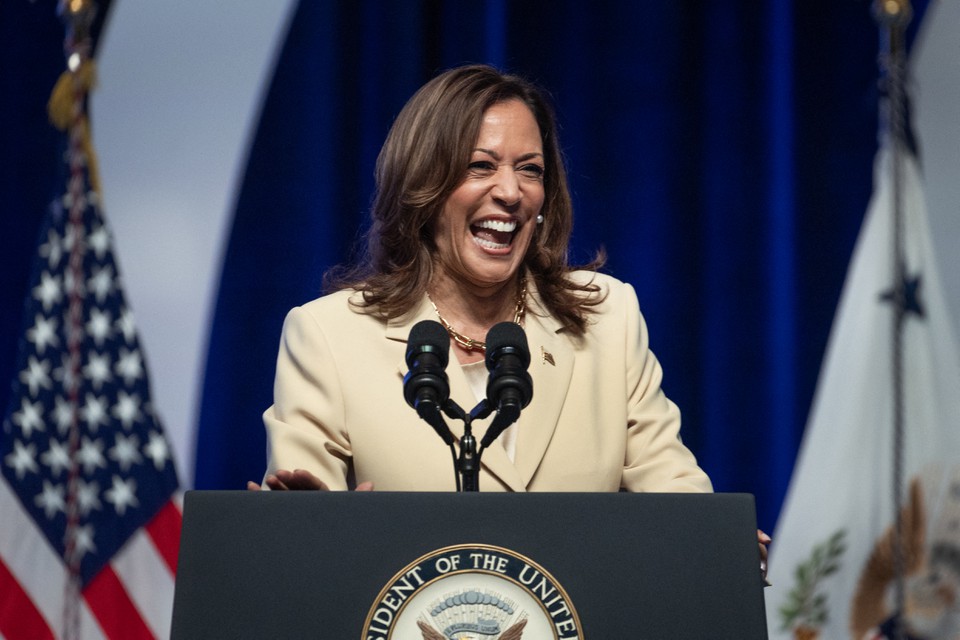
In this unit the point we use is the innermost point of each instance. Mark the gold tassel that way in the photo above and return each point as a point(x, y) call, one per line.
point(60, 109)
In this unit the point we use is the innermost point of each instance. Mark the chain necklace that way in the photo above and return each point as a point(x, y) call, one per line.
point(469, 344)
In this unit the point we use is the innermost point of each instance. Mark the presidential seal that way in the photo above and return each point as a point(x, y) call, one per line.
point(472, 592)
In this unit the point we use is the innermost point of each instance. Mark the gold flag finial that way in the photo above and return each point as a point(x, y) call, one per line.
point(893, 12)
point(79, 15)
point(67, 104)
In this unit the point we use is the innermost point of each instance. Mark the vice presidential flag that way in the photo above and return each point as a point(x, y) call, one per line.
point(832, 560)
point(89, 530)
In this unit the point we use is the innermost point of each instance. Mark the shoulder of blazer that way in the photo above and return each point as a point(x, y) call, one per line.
point(337, 301)
point(615, 293)
point(339, 310)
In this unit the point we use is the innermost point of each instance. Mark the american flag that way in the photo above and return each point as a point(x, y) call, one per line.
point(89, 520)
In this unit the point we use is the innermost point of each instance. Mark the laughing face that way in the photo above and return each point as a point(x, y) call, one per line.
point(488, 222)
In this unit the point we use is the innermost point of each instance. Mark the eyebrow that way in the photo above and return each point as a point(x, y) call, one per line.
point(496, 156)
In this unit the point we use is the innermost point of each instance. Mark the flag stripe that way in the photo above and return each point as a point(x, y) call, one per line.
point(144, 573)
point(38, 569)
point(19, 618)
point(148, 580)
point(113, 608)
point(164, 530)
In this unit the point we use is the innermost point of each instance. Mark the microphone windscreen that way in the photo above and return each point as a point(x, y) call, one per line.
point(428, 336)
point(507, 337)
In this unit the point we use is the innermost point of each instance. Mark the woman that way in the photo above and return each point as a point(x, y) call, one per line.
point(471, 225)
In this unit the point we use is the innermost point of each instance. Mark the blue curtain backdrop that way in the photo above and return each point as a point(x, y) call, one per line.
point(721, 152)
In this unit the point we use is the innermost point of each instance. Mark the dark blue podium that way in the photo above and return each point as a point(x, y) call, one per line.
point(349, 565)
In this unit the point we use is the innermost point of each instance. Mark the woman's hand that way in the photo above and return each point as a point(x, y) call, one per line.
point(298, 480)
point(763, 539)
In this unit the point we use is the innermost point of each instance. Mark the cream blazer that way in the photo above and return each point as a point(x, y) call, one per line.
point(598, 419)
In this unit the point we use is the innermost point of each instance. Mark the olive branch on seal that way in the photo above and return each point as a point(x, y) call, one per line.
point(805, 606)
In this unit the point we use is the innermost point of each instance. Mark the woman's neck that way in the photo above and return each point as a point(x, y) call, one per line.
point(471, 311)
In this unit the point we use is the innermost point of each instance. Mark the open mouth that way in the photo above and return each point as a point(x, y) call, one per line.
point(494, 234)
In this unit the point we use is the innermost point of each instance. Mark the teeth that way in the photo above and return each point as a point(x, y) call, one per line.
point(488, 244)
point(498, 225)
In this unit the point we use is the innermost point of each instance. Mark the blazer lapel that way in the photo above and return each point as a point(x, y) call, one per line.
point(551, 367)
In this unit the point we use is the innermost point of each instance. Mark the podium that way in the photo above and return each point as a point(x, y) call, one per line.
point(366, 566)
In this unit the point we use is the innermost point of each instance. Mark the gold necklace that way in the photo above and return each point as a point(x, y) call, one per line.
point(469, 344)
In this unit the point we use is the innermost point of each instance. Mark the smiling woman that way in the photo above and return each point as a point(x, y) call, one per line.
point(470, 133)
point(471, 225)
point(488, 222)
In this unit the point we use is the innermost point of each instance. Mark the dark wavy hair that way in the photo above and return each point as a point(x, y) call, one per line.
point(424, 158)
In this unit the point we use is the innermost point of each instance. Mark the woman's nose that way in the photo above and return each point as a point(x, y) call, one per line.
point(507, 187)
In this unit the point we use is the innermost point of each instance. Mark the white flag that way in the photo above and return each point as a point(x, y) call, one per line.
point(831, 564)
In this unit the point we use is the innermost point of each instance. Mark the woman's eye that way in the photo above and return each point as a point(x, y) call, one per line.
point(481, 165)
point(533, 170)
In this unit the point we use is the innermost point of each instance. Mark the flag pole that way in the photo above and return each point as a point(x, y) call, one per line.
point(893, 16)
point(67, 111)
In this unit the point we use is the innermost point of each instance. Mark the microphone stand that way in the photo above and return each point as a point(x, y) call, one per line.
point(467, 465)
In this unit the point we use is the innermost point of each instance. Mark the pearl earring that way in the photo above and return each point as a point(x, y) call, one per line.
point(539, 218)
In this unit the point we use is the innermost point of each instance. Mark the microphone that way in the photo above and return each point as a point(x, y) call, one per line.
point(509, 387)
point(425, 387)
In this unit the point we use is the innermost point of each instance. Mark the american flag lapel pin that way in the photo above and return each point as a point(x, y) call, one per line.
point(546, 356)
